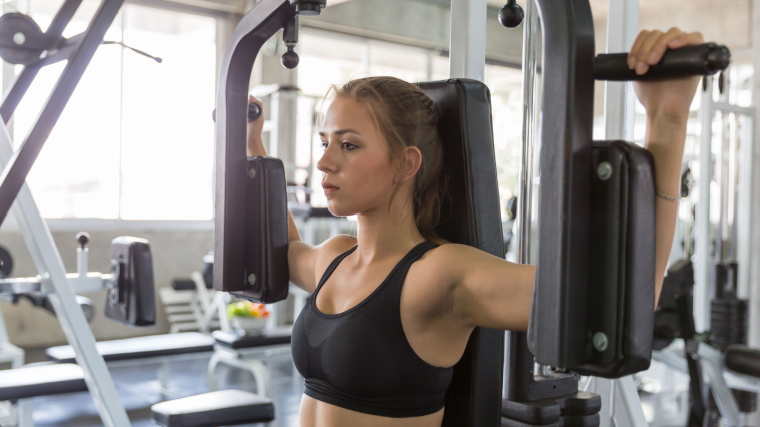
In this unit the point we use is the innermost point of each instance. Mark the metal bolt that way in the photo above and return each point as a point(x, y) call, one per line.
point(251, 279)
point(604, 171)
point(252, 173)
point(600, 341)
point(19, 38)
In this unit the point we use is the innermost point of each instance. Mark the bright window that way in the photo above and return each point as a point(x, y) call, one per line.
point(136, 139)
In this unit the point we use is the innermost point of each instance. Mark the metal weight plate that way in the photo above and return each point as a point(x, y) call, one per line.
point(6, 263)
point(21, 39)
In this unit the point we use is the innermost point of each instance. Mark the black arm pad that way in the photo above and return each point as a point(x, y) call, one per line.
point(266, 275)
point(615, 338)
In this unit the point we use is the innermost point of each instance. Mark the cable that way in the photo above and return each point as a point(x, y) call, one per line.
point(155, 58)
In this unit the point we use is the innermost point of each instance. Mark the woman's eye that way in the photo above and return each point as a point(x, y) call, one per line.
point(347, 146)
point(324, 145)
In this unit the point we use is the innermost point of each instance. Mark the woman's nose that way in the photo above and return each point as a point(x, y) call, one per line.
point(326, 163)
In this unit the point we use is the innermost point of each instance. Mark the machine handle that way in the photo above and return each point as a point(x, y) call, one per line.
point(254, 112)
point(697, 60)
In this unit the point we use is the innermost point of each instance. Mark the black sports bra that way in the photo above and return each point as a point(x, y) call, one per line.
point(360, 359)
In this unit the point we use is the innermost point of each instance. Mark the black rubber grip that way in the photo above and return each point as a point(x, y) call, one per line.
point(697, 60)
point(254, 112)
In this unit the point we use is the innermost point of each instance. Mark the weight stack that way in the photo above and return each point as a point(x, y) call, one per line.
point(729, 320)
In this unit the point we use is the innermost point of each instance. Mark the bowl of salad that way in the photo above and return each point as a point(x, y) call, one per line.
point(248, 317)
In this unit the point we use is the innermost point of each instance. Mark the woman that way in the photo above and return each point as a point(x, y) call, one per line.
point(393, 308)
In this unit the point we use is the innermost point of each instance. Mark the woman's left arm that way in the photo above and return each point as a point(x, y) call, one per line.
point(491, 292)
point(667, 106)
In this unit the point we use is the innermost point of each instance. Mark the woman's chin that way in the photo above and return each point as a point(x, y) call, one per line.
point(337, 212)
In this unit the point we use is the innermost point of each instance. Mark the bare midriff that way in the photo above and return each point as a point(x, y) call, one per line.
point(315, 413)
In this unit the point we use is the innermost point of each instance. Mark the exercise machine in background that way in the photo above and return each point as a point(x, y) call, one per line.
point(22, 42)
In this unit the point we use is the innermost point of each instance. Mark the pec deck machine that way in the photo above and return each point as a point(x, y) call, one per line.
point(593, 301)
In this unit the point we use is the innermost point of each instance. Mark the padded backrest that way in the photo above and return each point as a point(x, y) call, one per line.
point(471, 216)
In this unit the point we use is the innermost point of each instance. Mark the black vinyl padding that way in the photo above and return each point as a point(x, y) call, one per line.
point(471, 215)
point(744, 360)
point(267, 337)
point(140, 347)
point(41, 380)
point(216, 408)
point(183, 285)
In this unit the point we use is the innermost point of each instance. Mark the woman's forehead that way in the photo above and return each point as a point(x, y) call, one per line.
point(346, 113)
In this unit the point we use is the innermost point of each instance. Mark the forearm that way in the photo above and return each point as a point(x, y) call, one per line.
point(665, 139)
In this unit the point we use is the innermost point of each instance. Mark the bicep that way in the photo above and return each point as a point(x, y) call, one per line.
point(302, 260)
point(492, 292)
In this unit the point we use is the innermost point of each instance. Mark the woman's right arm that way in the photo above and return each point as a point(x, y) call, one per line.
point(302, 257)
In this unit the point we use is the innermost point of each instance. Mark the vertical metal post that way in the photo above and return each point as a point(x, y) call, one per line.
point(512, 369)
point(619, 102)
point(467, 47)
point(50, 267)
point(744, 215)
point(702, 243)
point(525, 197)
point(753, 162)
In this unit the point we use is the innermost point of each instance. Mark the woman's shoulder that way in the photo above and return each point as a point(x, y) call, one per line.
point(453, 260)
point(446, 258)
point(334, 246)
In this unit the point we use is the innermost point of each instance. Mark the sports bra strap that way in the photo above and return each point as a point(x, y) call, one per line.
point(333, 265)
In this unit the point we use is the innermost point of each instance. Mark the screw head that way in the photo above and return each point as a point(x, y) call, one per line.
point(19, 38)
point(600, 341)
point(251, 279)
point(604, 171)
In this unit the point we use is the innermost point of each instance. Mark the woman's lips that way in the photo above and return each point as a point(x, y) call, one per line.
point(329, 188)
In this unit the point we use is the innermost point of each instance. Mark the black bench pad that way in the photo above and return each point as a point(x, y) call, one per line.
point(223, 407)
point(743, 360)
point(141, 347)
point(41, 380)
point(234, 340)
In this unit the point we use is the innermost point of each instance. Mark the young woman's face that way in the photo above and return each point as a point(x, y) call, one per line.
point(357, 171)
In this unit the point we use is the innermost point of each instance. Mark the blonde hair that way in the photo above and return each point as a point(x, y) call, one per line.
point(406, 117)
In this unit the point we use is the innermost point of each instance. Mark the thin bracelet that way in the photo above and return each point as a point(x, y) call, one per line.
point(667, 197)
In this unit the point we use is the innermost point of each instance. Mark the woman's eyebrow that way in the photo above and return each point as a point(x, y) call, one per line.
point(340, 132)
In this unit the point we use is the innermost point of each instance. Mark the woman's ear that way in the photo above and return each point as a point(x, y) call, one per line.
point(411, 163)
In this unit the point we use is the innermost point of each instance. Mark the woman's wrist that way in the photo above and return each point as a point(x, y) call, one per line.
point(256, 147)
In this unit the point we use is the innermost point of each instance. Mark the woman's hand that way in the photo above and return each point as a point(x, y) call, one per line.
point(666, 101)
point(255, 143)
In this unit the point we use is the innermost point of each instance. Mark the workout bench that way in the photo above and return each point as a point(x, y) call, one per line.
point(20, 385)
point(158, 348)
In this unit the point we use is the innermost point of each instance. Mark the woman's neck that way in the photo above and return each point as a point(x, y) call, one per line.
point(384, 234)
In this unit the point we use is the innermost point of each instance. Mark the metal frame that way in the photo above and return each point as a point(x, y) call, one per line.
point(467, 47)
point(721, 380)
point(53, 274)
point(568, 46)
point(78, 51)
point(703, 264)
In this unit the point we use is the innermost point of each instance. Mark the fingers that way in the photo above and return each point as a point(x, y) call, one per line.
point(253, 99)
point(686, 39)
point(649, 47)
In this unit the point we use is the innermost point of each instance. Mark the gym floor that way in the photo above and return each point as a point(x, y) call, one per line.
point(139, 387)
